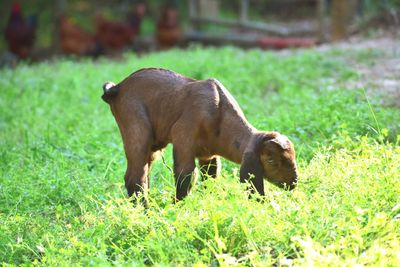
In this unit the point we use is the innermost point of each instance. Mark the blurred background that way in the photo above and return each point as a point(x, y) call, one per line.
point(36, 30)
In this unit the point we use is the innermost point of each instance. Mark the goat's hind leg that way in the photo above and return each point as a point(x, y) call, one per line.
point(210, 167)
point(137, 172)
point(137, 144)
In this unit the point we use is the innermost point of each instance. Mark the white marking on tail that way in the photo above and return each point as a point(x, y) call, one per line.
point(108, 85)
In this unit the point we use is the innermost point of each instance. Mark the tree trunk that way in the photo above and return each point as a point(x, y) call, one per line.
point(343, 12)
point(59, 7)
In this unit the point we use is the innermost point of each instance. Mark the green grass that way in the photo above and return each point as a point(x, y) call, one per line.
point(63, 202)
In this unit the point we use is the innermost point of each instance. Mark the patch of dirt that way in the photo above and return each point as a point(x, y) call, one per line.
point(377, 61)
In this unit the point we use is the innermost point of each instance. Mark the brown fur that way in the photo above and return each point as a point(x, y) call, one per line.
point(155, 107)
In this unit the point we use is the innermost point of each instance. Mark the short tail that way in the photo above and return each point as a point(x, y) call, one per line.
point(110, 90)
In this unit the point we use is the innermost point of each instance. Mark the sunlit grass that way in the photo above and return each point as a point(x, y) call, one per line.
point(62, 199)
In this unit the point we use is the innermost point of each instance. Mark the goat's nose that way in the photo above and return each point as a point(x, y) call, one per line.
point(286, 186)
point(291, 185)
point(294, 183)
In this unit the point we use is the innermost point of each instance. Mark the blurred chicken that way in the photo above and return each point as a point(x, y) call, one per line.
point(75, 40)
point(134, 17)
point(20, 34)
point(113, 35)
point(116, 35)
point(168, 28)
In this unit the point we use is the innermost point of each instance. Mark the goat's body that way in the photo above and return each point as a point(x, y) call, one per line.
point(155, 107)
point(183, 110)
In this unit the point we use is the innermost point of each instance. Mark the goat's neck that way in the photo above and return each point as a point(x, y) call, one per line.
point(239, 140)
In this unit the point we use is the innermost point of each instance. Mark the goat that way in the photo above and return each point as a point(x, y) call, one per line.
point(154, 107)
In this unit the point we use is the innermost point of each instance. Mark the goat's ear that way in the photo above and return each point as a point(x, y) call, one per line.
point(280, 140)
point(251, 166)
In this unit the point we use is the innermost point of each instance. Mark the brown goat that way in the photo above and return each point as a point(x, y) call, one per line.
point(155, 107)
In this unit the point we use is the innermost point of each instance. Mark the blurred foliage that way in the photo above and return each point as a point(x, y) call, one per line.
point(82, 12)
point(378, 6)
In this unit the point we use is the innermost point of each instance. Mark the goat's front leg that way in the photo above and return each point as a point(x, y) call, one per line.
point(183, 170)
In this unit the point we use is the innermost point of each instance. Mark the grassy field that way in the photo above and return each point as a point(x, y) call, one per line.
point(62, 196)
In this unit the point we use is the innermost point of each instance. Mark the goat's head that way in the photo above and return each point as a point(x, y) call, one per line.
point(277, 157)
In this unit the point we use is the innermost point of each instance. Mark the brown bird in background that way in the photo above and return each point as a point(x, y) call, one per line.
point(168, 28)
point(116, 35)
point(75, 40)
point(20, 33)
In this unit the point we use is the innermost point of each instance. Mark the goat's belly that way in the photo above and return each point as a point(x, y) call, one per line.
point(204, 150)
point(158, 146)
point(161, 140)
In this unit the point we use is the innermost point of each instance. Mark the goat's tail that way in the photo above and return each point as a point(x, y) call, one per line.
point(110, 90)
